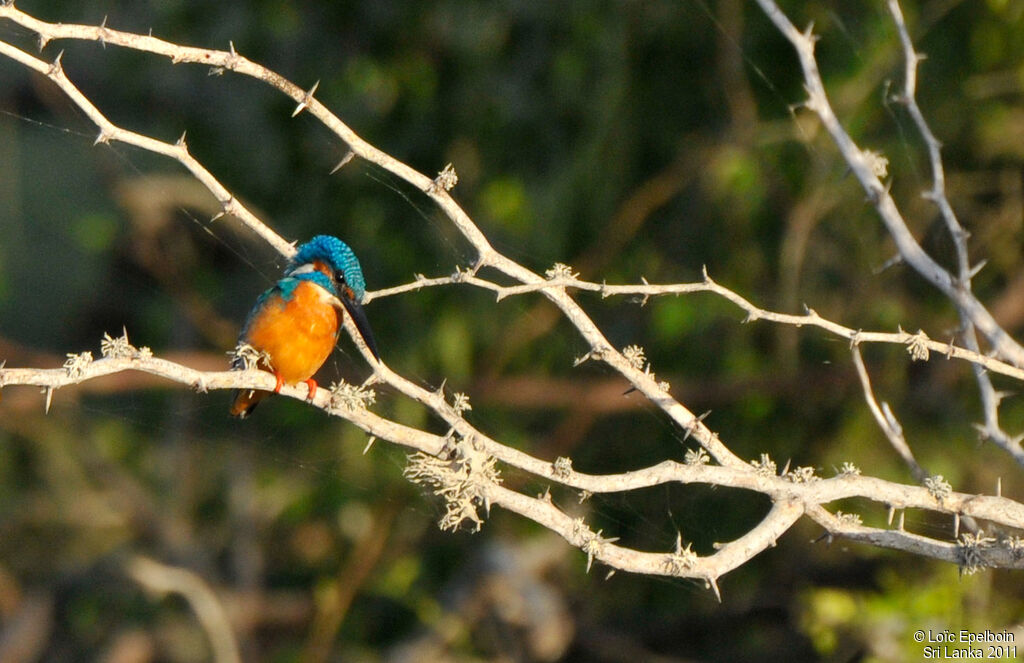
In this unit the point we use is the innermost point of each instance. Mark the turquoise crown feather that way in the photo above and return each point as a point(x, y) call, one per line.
point(337, 255)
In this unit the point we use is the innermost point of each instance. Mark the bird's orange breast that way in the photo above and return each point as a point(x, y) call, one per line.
point(298, 334)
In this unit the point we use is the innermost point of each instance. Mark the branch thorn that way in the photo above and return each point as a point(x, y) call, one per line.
point(56, 68)
point(712, 583)
point(349, 155)
point(977, 268)
point(693, 425)
point(308, 97)
point(580, 360)
point(103, 33)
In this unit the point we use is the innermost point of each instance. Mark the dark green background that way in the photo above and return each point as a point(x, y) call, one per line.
point(628, 139)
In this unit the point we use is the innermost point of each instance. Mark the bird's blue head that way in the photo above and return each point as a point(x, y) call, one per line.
point(337, 257)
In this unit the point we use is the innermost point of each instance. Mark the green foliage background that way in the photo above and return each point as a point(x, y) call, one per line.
point(628, 139)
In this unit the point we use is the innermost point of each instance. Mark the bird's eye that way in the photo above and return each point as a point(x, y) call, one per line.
point(339, 276)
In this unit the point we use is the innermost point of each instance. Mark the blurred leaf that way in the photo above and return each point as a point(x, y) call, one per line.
point(95, 233)
point(505, 200)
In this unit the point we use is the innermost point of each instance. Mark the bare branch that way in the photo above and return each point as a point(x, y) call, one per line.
point(463, 466)
point(177, 150)
point(791, 497)
point(861, 164)
point(938, 192)
point(754, 312)
point(164, 579)
point(886, 419)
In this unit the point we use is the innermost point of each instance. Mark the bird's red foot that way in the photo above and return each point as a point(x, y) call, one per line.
point(280, 383)
point(311, 383)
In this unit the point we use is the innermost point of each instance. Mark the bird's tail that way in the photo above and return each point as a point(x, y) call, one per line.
point(244, 401)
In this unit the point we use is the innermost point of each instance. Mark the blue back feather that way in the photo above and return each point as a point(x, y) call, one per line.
point(288, 284)
point(284, 289)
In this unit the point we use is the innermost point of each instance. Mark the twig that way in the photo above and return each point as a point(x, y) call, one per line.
point(165, 579)
point(177, 151)
point(886, 419)
point(863, 164)
point(754, 313)
point(991, 429)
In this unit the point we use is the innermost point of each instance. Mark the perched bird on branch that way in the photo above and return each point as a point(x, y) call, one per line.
point(294, 325)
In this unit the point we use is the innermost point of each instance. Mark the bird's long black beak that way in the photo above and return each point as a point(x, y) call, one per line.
point(355, 310)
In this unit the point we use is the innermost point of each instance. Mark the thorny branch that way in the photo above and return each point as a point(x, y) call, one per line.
point(918, 345)
point(863, 164)
point(466, 467)
point(957, 288)
point(886, 419)
point(462, 466)
point(989, 396)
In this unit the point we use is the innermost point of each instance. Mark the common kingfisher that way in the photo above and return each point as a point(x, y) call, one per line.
point(296, 323)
